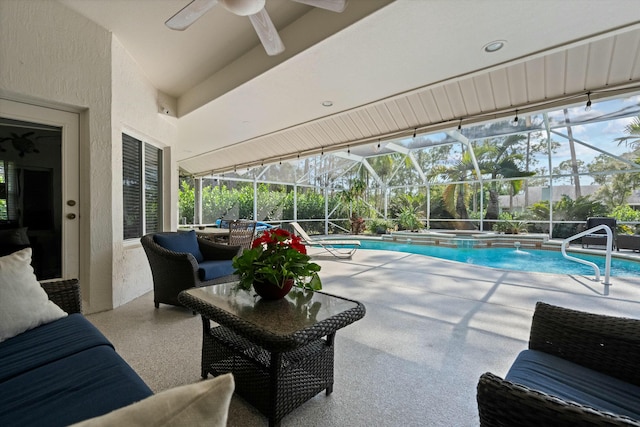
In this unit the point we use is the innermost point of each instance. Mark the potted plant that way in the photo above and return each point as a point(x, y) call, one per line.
point(357, 224)
point(276, 261)
point(380, 225)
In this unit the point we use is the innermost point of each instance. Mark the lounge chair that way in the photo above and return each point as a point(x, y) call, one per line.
point(343, 249)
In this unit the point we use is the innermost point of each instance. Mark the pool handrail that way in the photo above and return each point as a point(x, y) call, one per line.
point(607, 262)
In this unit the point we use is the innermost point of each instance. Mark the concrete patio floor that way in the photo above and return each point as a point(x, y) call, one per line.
point(432, 328)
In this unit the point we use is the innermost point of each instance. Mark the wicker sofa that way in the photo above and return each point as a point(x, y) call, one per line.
point(67, 372)
point(64, 371)
point(580, 369)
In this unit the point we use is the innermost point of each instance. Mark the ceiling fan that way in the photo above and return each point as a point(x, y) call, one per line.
point(256, 12)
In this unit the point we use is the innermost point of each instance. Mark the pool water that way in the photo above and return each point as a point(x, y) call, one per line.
point(533, 260)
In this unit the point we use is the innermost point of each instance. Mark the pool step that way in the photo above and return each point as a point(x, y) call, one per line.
point(468, 239)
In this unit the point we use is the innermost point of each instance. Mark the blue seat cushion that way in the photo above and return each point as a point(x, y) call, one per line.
point(180, 242)
point(209, 270)
point(569, 381)
point(262, 226)
point(48, 343)
point(84, 385)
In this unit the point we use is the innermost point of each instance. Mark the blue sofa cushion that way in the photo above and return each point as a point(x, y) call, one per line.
point(181, 242)
point(209, 270)
point(48, 343)
point(84, 385)
point(569, 381)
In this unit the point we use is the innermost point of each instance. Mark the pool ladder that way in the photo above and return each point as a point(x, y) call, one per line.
point(607, 261)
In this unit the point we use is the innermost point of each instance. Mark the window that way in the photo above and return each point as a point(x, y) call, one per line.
point(141, 187)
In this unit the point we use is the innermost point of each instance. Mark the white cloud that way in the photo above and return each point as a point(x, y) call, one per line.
point(616, 127)
point(631, 100)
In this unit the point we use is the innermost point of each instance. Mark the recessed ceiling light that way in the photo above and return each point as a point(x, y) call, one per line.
point(327, 103)
point(494, 46)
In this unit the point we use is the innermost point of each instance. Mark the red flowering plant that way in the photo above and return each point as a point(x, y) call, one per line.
point(275, 257)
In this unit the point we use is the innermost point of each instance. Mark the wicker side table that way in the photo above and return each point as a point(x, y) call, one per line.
point(281, 353)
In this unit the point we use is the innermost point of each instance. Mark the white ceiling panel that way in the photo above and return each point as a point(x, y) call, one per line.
point(456, 100)
point(484, 90)
point(517, 79)
point(599, 62)
point(470, 96)
point(623, 58)
point(536, 77)
point(576, 71)
point(609, 62)
point(555, 70)
point(500, 89)
point(430, 106)
point(442, 103)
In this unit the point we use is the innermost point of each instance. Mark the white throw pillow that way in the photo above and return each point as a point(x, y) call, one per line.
point(24, 304)
point(205, 403)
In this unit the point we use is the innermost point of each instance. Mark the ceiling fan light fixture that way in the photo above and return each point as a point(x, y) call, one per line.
point(243, 7)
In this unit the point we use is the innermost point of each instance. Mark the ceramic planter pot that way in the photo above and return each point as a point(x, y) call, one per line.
point(271, 292)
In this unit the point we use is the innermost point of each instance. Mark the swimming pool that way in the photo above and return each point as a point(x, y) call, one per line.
point(534, 260)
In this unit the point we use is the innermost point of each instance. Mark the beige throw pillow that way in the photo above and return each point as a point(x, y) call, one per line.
point(205, 403)
point(24, 304)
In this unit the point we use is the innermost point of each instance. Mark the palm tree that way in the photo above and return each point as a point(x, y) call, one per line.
point(456, 195)
point(501, 161)
point(633, 129)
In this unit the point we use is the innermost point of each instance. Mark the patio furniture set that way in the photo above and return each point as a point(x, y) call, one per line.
point(599, 238)
point(279, 352)
point(580, 368)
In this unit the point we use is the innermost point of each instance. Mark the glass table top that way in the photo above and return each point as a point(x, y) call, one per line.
point(298, 310)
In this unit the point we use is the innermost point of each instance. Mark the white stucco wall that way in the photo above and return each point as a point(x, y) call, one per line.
point(135, 112)
point(52, 56)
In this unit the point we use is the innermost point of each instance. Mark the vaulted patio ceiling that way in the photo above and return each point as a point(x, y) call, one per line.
point(399, 67)
point(604, 65)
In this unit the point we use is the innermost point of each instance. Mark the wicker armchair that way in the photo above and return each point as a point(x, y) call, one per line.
point(174, 272)
point(606, 344)
point(241, 233)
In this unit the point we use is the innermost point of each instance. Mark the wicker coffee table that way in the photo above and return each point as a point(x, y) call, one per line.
point(279, 352)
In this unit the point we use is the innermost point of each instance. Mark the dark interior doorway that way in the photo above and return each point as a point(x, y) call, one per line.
point(31, 193)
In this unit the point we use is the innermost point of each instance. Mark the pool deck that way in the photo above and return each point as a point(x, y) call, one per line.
point(434, 326)
point(431, 329)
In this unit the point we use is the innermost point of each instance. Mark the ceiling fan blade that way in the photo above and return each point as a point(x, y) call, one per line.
point(267, 32)
point(190, 14)
point(332, 5)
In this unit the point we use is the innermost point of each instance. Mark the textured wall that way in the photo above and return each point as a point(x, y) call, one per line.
point(135, 111)
point(51, 56)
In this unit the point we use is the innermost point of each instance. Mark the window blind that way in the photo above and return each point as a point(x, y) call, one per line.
point(153, 188)
point(132, 186)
